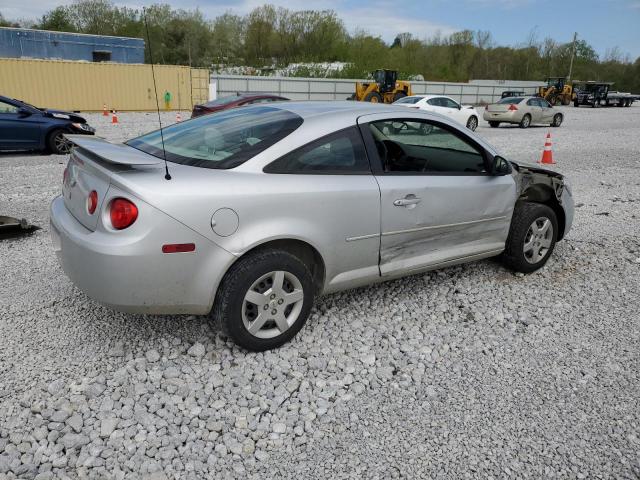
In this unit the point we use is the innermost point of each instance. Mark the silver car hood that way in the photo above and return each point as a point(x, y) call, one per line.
point(117, 153)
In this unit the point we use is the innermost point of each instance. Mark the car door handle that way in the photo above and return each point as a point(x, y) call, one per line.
point(405, 202)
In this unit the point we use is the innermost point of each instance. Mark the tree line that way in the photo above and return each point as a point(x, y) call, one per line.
point(270, 36)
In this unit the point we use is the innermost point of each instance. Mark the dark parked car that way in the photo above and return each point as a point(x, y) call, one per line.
point(234, 101)
point(25, 127)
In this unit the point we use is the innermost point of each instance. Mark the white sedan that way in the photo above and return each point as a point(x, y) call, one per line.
point(463, 114)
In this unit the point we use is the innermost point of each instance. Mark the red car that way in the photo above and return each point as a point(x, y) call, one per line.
point(234, 101)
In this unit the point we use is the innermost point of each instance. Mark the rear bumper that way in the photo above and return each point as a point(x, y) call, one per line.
point(128, 271)
point(509, 117)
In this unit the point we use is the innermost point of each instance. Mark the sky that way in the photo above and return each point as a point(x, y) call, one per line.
point(604, 24)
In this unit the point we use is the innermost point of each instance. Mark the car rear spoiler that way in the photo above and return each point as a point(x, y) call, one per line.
point(117, 153)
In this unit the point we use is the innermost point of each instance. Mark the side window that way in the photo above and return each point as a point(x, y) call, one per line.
point(259, 100)
point(417, 146)
point(8, 108)
point(434, 102)
point(532, 102)
point(449, 103)
point(543, 103)
point(338, 153)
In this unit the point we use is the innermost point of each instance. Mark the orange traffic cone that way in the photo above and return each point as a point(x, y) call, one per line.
point(114, 117)
point(178, 117)
point(547, 154)
point(105, 112)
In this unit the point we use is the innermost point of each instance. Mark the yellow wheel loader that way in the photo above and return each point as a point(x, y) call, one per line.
point(557, 91)
point(385, 88)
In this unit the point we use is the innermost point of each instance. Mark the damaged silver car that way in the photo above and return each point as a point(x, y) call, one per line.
point(264, 208)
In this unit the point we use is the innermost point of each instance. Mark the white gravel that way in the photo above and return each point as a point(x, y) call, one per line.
point(467, 372)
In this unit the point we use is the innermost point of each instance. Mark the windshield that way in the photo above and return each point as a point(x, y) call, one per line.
point(409, 100)
point(221, 140)
point(510, 100)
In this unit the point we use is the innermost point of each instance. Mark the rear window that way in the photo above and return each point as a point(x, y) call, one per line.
point(511, 100)
point(220, 140)
point(224, 100)
point(409, 100)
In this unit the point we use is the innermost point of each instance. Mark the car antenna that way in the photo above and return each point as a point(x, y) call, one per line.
point(155, 89)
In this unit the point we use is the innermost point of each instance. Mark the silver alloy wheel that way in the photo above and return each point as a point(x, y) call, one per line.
point(526, 121)
point(62, 145)
point(538, 240)
point(472, 123)
point(272, 304)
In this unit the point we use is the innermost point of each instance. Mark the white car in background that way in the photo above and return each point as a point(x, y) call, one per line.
point(463, 114)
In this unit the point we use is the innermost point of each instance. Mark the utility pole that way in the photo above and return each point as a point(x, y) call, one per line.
point(573, 54)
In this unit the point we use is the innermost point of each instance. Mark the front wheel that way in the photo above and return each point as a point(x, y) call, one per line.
point(57, 143)
point(532, 237)
point(398, 95)
point(264, 299)
point(526, 121)
point(472, 123)
point(373, 97)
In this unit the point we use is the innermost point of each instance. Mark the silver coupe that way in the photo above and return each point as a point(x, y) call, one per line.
point(261, 209)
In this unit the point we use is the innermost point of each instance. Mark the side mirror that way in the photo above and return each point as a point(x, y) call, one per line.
point(500, 166)
point(23, 112)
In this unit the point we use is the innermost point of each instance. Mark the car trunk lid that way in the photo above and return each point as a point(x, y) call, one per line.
point(499, 107)
point(92, 164)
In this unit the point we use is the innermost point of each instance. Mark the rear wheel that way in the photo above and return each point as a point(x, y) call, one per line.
point(575, 103)
point(373, 97)
point(398, 95)
point(526, 121)
point(494, 124)
point(57, 142)
point(532, 237)
point(472, 123)
point(557, 120)
point(264, 299)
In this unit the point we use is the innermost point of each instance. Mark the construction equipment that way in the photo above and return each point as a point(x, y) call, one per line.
point(557, 91)
point(385, 88)
point(597, 94)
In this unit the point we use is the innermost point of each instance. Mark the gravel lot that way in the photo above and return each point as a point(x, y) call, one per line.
point(467, 372)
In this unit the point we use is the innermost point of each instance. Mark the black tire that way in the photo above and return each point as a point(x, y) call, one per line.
point(494, 124)
point(398, 95)
point(524, 215)
point(56, 143)
point(576, 103)
point(373, 97)
point(557, 120)
point(526, 121)
point(472, 123)
point(231, 309)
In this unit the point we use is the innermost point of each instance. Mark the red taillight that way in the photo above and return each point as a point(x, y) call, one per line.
point(92, 202)
point(512, 107)
point(178, 247)
point(123, 213)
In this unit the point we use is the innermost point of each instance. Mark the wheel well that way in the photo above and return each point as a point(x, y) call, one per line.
point(304, 251)
point(544, 194)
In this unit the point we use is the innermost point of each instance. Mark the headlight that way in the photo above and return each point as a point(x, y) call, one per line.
point(83, 126)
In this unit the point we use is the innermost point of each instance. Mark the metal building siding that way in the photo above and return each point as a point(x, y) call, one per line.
point(27, 43)
point(84, 86)
point(477, 92)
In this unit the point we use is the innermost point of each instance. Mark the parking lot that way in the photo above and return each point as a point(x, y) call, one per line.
point(466, 372)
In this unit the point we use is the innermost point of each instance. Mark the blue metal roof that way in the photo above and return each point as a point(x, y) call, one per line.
point(29, 43)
